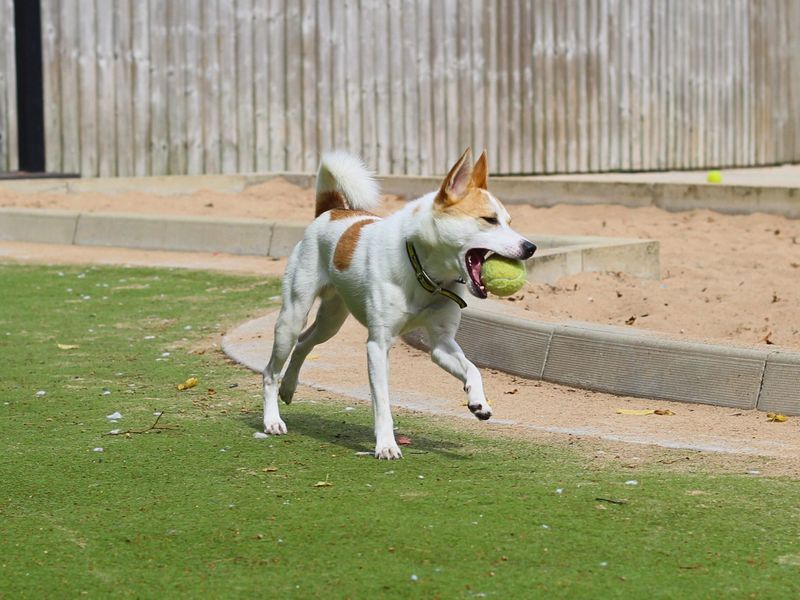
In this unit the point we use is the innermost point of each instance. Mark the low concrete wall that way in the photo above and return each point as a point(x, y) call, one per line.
point(532, 190)
point(628, 362)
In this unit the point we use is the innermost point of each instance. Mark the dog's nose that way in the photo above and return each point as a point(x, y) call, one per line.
point(528, 249)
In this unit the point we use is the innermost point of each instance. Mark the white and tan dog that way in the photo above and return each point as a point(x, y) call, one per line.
point(394, 275)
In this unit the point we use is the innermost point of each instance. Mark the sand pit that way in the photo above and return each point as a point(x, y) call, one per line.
point(729, 279)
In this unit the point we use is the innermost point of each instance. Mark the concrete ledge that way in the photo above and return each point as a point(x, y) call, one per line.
point(780, 391)
point(34, 225)
point(234, 236)
point(628, 361)
point(540, 191)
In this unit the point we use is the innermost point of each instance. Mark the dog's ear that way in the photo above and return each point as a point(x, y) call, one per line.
point(457, 181)
point(480, 172)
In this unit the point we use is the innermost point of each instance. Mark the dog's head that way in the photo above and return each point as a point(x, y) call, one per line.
point(471, 220)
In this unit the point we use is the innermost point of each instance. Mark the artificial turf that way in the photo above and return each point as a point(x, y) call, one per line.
point(199, 506)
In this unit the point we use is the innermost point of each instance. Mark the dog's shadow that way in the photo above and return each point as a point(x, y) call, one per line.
point(354, 436)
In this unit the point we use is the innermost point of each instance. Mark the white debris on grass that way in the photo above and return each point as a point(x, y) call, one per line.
point(41, 394)
point(349, 408)
point(188, 328)
point(158, 413)
point(260, 435)
point(149, 337)
point(106, 392)
point(559, 490)
point(97, 450)
point(414, 577)
point(115, 432)
point(631, 482)
point(114, 416)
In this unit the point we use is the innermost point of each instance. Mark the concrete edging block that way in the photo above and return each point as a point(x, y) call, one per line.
point(499, 341)
point(35, 225)
point(653, 367)
point(285, 237)
point(192, 234)
point(780, 390)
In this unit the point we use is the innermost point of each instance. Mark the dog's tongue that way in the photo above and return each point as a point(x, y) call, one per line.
point(475, 259)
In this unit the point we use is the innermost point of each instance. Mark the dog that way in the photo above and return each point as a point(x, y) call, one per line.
point(394, 275)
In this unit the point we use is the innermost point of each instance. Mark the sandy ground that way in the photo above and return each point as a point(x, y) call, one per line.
point(733, 279)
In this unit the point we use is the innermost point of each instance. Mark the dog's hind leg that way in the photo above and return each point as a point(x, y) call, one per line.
point(331, 315)
point(300, 291)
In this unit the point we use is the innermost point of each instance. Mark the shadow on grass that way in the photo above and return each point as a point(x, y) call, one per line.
point(355, 436)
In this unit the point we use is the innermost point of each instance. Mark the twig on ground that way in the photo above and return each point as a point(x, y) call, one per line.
point(611, 501)
point(154, 427)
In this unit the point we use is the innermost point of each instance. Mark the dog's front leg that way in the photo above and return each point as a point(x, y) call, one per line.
point(446, 353)
point(378, 363)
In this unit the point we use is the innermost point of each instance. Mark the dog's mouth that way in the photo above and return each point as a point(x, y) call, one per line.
point(474, 260)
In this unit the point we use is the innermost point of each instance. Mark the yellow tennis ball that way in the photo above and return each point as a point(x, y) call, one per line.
point(714, 177)
point(503, 276)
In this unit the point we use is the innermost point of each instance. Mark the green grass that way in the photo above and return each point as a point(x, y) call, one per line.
point(203, 508)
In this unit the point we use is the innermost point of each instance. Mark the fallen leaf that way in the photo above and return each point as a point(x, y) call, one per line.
point(323, 484)
point(269, 469)
point(189, 383)
point(663, 412)
point(635, 411)
point(630, 320)
point(68, 346)
point(777, 418)
point(403, 440)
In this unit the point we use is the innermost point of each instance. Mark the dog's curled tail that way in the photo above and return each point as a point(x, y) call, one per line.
point(344, 182)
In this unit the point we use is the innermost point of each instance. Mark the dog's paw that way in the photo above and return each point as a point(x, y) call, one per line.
point(481, 410)
point(276, 427)
point(286, 391)
point(391, 452)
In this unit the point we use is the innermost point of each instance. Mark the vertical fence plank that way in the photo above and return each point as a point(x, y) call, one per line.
point(310, 82)
point(277, 79)
point(583, 97)
point(408, 27)
point(261, 84)
point(140, 56)
point(70, 98)
point(87, 86)
point(8, 88)
point(426, 88)
point(193, 73)
point(382, 99)
point(123, 98)
point(5, 91)
point(438, 100)
point(245, 121)
point(526, 74)
point(491, 122)
point(395, 47)
point(217, 48)
point(176, 87)
point(462, 67)
point(51, 42)
point(158, 140)
point(294, 85)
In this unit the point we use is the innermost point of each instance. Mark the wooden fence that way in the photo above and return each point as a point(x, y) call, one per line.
point(207, 86)
point(8, 88)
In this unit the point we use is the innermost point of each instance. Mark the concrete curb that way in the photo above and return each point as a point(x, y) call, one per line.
point(151, 232)
point(558, 257)
point(629, 362)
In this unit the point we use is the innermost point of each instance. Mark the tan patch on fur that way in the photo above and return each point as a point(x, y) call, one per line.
point(328, 201)
point(338, 215)
point(474, 204)
point(346, 247)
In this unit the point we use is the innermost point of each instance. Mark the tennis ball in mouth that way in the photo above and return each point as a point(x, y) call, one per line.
point(503, 276)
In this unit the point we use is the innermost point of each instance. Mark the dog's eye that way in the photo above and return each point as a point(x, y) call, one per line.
point(491, 220)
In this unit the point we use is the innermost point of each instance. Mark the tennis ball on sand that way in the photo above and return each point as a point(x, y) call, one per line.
point(503, 276)
point(714, 177)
